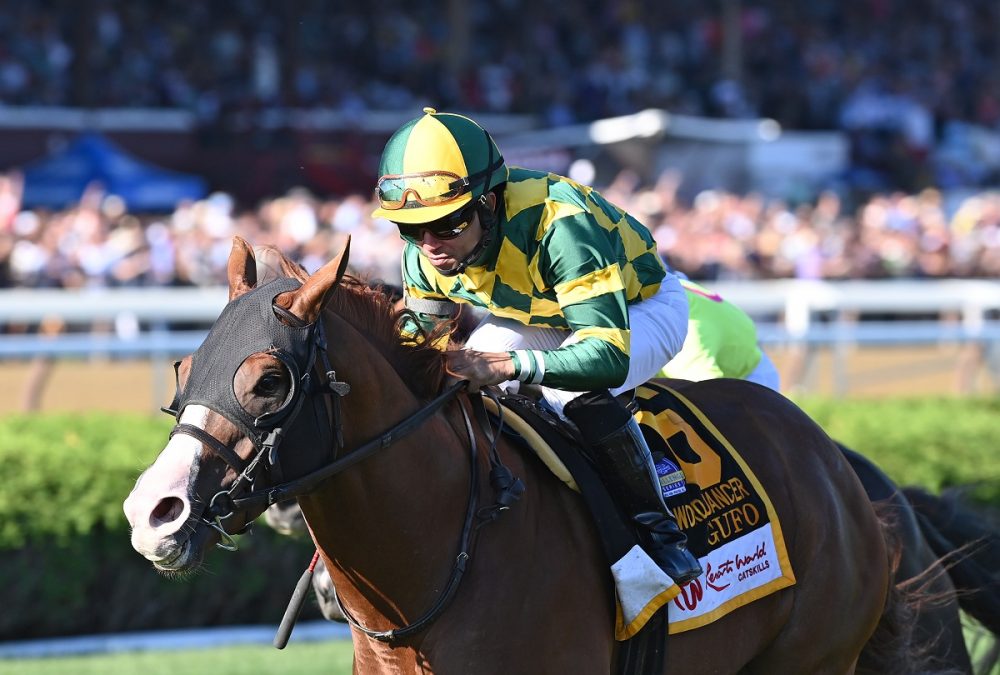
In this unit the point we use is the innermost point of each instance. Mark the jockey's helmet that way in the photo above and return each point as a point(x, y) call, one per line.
point(433, 166)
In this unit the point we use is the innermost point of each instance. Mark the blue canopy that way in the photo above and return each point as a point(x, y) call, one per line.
point(59, 180)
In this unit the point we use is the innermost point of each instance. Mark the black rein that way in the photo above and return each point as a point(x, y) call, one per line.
point(457, 570)
point(305, 484)
point(225, 503)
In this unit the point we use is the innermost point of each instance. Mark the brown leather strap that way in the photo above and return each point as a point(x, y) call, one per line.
point(223, 451)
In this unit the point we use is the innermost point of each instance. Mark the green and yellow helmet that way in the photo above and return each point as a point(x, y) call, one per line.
point(433, 166)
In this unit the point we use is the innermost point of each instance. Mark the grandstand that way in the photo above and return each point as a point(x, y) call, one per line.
point(759, 141)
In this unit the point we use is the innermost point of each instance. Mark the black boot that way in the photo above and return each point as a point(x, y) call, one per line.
point(628, 472)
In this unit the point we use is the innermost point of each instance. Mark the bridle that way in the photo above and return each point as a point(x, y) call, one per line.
point(319, 379)
point(267, 433)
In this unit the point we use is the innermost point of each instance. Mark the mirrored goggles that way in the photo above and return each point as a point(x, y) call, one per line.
point(430, 188)
point(448, 227)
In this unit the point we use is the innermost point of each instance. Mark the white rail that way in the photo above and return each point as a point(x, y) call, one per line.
point(788, 311)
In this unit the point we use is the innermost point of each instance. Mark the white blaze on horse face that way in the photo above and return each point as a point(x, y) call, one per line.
point(159, 504)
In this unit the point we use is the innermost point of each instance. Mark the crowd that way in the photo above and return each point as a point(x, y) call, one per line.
point(909, 65)
point(719, 235)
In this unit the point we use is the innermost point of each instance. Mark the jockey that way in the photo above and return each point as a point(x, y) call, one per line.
point(577, 299)
point(721, 342)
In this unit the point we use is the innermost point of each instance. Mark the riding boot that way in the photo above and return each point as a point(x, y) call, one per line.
point(627, 470)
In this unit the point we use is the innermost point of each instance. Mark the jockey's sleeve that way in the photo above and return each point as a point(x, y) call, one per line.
point(598, 354)
point(581, 263)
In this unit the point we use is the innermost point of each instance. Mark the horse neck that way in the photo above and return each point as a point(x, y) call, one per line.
point(396, 515)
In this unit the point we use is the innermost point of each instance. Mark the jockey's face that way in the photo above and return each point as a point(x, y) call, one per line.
point(445, 254)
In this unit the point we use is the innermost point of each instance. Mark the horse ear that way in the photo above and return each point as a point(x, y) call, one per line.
point(242, 268)
point(310, 299)
point(271, 265)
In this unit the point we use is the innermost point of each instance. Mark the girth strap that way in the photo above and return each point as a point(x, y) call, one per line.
point(223, 451)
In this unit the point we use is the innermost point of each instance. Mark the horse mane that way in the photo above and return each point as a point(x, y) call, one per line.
point(370, 308)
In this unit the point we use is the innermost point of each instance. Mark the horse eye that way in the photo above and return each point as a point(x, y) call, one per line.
point(269, 385)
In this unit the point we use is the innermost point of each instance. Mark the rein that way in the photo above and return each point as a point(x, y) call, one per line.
point(457, 570)
point(305, 484)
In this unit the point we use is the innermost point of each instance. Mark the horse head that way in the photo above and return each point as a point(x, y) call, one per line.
point(253, 391)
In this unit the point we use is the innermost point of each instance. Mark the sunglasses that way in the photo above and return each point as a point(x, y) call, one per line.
point(448, 227)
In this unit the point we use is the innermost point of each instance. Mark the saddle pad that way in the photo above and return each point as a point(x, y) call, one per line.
point(731, 525)
point(641, 587)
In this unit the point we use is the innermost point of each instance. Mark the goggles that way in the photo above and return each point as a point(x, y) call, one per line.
point(448, 227)
point(430, 188)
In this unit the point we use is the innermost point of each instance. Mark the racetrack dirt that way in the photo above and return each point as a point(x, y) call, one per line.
point(141, 386)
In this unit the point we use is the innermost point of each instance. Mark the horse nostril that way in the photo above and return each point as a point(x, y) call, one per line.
point(168, 510)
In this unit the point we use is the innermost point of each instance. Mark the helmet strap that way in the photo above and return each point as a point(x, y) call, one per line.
point(487, 217)
point(488, 222)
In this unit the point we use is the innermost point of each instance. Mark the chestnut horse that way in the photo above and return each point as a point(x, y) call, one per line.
point(389, 473)
point(948, 557)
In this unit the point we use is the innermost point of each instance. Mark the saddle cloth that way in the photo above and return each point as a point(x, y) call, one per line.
point(730, 522)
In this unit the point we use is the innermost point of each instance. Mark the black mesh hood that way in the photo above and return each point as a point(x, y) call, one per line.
point(246, 326)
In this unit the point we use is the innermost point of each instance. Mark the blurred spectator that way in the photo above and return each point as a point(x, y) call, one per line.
point(893, 71)
point(909, 82)
point(718, 235)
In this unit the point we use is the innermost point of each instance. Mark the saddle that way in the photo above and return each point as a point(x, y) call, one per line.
point(642, 589)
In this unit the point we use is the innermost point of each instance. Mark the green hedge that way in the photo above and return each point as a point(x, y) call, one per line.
point(70, 473)
point(67, 566)
point(66, 563)
point(933, 442)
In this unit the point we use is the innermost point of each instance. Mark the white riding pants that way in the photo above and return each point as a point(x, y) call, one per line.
point(658, 326)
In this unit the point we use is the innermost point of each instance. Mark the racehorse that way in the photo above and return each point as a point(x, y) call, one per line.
point(388, 476)
point(944, 546)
